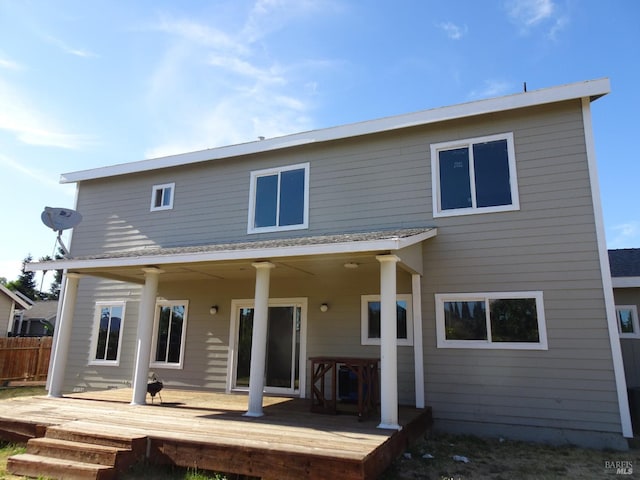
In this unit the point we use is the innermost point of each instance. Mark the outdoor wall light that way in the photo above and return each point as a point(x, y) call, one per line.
point(324, 307)
point(213, 310)
point(351, 265)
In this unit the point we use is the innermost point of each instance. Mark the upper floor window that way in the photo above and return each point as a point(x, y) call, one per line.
point(370, 319)
point(512, 320)
point(162, 196)
point(627, 321)
point(169, 334)
point(475, 175)
point(279, 199)
point(107, 335)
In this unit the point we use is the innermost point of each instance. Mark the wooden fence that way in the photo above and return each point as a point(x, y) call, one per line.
point(24, 358)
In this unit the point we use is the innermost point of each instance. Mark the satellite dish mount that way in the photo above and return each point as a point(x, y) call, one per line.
point(59, 219)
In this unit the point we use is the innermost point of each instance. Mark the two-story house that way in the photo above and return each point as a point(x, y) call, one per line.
point(463, 246)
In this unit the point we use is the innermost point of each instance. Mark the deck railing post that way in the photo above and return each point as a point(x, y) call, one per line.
point(259, 338)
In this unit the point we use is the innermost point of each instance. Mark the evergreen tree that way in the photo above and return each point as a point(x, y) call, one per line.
point(25, 283)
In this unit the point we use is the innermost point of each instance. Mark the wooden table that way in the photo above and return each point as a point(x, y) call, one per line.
point(366, 372)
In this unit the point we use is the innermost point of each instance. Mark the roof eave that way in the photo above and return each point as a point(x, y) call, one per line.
point(591, 89)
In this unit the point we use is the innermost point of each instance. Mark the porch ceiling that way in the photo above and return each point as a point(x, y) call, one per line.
point(301, 257)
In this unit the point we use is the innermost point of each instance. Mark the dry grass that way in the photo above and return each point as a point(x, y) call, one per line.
point(504, 460)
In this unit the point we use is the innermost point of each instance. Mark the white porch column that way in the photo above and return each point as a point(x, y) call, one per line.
point(144, 335)
point(63, 326)
point(388, 343)
point(259, 338)
point(418, 356)
point(52, 357)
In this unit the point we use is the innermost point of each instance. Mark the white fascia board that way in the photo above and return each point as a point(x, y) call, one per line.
point(390, 244)
point(590, 89)
point(626, 282)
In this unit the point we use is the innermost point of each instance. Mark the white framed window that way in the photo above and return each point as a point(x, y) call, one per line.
point(370, 319)
point(169, 334)
point(476, 175)
point(628, 321)
point(279, 199)
point(504, 320)
point(162, 196)
point(107, 333)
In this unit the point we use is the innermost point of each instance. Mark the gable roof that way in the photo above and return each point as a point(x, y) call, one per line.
point(625, 267)
point(591, 89)
point(46, 309)
point(15, 297)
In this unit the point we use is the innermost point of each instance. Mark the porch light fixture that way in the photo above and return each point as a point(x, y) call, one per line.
point(324, 307)
point(351, 265)
point(213, 310)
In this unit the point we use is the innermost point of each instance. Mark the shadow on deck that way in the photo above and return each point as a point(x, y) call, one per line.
point(208, 431)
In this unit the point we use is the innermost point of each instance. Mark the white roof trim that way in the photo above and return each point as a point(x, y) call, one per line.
point(591, 89)
point(626, 282)
point(392, 244)
point(14, 297)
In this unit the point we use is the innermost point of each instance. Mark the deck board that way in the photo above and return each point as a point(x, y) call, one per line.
point(209, 429)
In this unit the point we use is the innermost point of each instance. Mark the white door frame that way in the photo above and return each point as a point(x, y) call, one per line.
point(236, 305)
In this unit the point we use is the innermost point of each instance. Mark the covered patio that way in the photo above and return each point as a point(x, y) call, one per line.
point(208, 431)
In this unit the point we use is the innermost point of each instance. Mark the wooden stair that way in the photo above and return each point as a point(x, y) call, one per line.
point(69, 453)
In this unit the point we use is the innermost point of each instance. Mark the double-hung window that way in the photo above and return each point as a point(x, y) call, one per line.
point(475, 175)
point(509, 320)
point(627, 321)
point(169, 334)
point(279, 199)
point(370, 319)
point(107, 335)
point(162, 196)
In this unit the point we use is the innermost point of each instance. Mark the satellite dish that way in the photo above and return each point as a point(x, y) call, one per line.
point(59, 219)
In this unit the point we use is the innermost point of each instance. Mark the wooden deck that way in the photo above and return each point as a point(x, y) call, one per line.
point(208, 431)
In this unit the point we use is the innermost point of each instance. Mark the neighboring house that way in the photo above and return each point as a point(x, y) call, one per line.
point(625, 273)
point(10, 303)
point(38, 321)
point(463, 246)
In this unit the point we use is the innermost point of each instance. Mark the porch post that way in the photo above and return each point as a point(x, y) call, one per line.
point(63, 326)
point(259, 338)
point(388, 343)
point(144, 336)
point(418, 355)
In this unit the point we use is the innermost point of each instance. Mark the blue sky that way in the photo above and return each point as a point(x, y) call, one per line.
point(87, 84)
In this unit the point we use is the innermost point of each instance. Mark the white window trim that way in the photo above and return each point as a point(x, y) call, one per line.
point(252, 199)
point(442, 341)
point(634, 317)
point(162, 187)
point(469, 142)
point(183, 338)
point(364, 320)
point(96, 331)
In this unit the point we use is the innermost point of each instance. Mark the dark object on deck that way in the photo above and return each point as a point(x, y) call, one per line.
point(154, 387)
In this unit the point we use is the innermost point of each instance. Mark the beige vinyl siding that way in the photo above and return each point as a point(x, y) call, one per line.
point(549, 246)
point(630, 346)
point(6, 310)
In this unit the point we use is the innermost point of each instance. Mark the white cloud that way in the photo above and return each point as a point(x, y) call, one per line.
point(453, 31)
point(625, 235)
point(530, 12)
point(9, 64)
point(492, 88)
point(44, 178)
point(62, 45)
point(216, 87)
point(31, 126)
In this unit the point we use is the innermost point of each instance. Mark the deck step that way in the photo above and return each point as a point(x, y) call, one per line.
point(38, 466)
point(82, 452)
point(84, 434)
